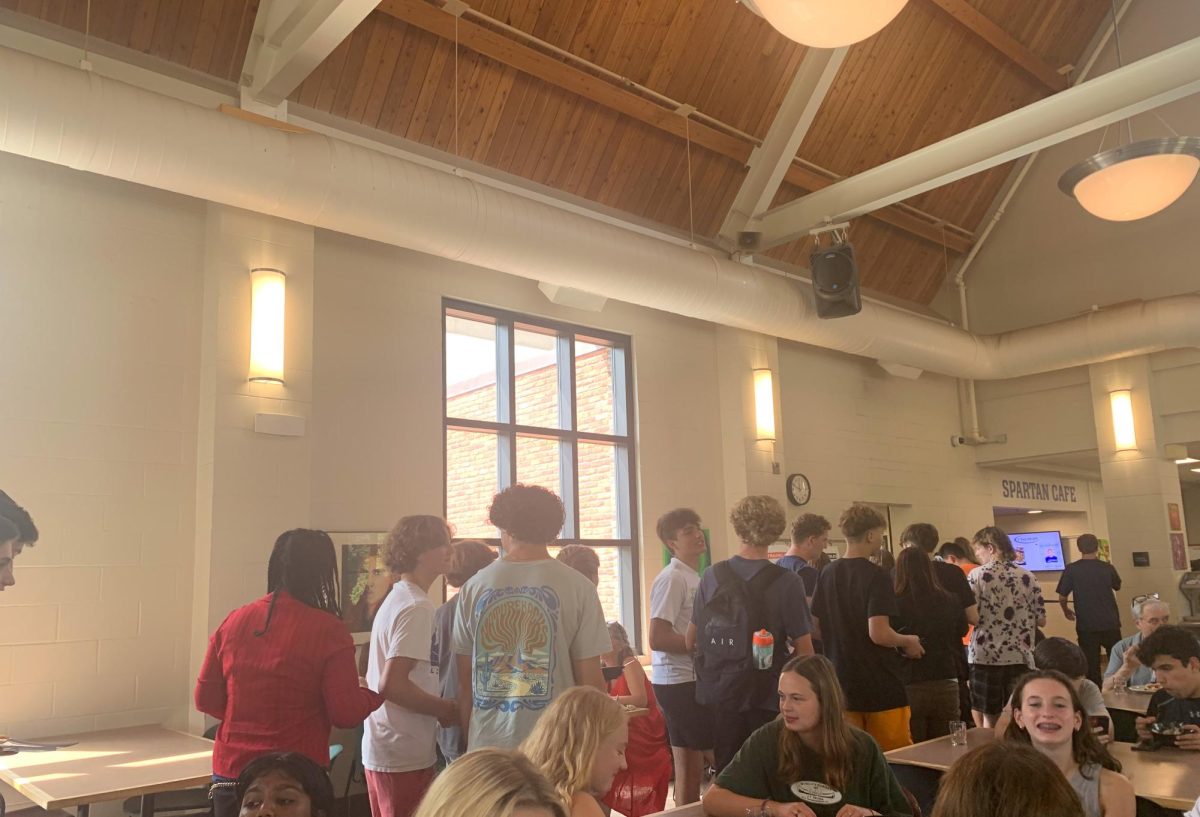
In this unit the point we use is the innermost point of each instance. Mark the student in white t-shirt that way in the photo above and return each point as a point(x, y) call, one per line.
point(399, 738)
point(689, 724)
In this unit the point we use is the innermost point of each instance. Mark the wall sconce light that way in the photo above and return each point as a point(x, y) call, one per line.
point(764, 405)
point(267, 299)
point(1122, 417)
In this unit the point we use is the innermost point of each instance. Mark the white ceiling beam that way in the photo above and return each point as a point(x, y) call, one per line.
point(1140, 86)
point(291, 38)
point(769, 162)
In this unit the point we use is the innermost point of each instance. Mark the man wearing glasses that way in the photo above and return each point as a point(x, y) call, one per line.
point(1149, 613)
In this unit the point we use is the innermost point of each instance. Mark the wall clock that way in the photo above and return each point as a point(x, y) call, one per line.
point(799, 491)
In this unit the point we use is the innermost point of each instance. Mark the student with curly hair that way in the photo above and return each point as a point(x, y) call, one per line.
point(491, 783)
point(398, 745)
point(579, 745)
point(737, 598)
point(853, 606)
point(1048, 715)
point(528, 626)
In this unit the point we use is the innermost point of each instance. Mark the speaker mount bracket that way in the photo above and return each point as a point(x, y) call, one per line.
point(838, 232)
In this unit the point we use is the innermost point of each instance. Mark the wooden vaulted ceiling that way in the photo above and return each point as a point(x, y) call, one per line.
point(523, 108)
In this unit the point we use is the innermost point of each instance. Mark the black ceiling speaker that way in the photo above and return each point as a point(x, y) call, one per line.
point(835, 281)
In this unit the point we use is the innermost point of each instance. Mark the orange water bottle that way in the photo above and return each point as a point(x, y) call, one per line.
point(764, 649)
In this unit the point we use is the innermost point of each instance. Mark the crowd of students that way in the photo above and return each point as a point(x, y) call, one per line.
point(790, 679)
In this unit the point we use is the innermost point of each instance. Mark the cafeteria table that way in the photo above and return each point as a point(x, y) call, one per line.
point(110, 765)
point(1125, 707)
point(1168, 777)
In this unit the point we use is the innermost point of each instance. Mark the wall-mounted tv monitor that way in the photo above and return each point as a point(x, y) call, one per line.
point(1041, 550)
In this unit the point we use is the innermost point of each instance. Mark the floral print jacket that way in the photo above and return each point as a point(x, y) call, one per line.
point(1010, 605)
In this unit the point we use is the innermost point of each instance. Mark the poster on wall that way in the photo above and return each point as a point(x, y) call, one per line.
point(1178, 552)
point(1174, 522)
point(1104, 552)
point(365, 581)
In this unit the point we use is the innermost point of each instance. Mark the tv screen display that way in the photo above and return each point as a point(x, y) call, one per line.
point(1041, 550)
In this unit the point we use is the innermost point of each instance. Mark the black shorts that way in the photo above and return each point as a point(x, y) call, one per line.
point(689, 724)
point(992, 686)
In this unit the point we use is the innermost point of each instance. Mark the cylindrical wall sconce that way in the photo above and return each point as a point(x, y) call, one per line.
point(1124, 434)
point(267, 299)
point(764, 405)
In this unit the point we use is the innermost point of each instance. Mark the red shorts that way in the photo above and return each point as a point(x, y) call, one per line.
point(396, 794)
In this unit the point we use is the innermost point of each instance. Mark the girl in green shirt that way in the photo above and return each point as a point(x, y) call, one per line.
point(808, 762)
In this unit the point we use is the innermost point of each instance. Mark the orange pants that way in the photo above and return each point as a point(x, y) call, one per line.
point(889, 727)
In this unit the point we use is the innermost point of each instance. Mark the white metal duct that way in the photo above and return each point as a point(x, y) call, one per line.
point(74, 118)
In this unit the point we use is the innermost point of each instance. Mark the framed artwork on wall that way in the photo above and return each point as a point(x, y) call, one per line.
point(1178, 552)
point(1174, 521)
point(364, 580)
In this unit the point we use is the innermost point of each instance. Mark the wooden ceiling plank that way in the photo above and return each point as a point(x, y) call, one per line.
point(995, 36)
point(604, 124)
point(375, 59)
point(406, 87)
point(482, 142)
point(228, 33)
point(483, 97)
point(143, 25)
point(331, 76)
point(206, 35)
point(352, 70)
point(512, 120)
point(429, 89)
point(186, 32)
point(165, 28)
point(389, 62)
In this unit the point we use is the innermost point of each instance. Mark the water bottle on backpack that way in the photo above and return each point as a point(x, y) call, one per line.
point(764, 649)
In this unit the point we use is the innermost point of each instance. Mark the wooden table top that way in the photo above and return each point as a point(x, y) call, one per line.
point(1128, 701)
point(1169, 777)
point(110, 765)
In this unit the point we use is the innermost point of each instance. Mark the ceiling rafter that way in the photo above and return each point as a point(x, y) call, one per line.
point(527, 60)
point(987, 30)
point(291, 38)
point(769, 162)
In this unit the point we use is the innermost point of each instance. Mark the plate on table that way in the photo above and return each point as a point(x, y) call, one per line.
point(1148, 688)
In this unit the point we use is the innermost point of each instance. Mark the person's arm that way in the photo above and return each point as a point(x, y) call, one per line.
point(720, 802)
point(664, 638)
point(589, 672)
point(803, 645)
point(972, 614)
point(1116, 578)
point(346, 702)
point(881, 632)
point(1190, 739)
point(465, 696)
point(1039, 604)
point(396, 685)
point(1116, 795)
point(1004, 720)
point(1067, 611)
point(689, 640)
point(211, 697)
point(635, 679)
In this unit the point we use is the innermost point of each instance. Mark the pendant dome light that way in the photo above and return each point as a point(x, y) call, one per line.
point(1137, 179)
point(828, 23)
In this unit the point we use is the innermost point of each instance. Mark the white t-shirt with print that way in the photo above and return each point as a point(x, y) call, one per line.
point(396, 739)
point(671, 598)
point(523, 624)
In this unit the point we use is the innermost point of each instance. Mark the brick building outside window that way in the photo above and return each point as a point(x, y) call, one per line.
point(546, 403)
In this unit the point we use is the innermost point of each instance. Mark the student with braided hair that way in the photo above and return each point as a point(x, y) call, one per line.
point(280, 671)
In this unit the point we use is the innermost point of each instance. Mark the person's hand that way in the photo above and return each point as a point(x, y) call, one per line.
point(1130, 661)
point(1143, 727)
point(912, 647)
point(449, 715)
point(1102, 736)
point(789, 810)
point(855, 811)
point(1069, 613)
point(362, 682)
point(1190, 739)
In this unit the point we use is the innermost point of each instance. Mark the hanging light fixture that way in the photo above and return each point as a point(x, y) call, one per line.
point(827, 23)
point(1137, 179)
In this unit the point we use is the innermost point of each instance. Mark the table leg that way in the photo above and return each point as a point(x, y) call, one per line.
point(147, 805)
point(83, 811)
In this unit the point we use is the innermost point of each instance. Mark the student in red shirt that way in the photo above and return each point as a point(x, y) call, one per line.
point(280, 671)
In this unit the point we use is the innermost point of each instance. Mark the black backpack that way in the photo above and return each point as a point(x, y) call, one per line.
point(725, 670)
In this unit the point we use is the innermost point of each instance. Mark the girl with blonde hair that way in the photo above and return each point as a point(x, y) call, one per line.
point(491, 783)
point(579, 745)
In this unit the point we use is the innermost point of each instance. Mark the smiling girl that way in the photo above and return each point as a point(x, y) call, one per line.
point(808, 762)
point(1047, 713)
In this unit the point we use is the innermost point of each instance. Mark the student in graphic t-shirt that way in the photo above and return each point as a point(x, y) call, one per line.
point(1097, 620)
point(810, 761)
point(399, 739)
point(1174, 655)
point(743, 697)
point(528, 626)
point(853, 609)
point(689, 724)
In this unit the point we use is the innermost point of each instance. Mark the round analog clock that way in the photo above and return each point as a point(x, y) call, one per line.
point(799, 490)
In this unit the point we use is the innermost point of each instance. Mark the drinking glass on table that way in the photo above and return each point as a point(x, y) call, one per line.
point(1120, 684)
point(958, 733)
